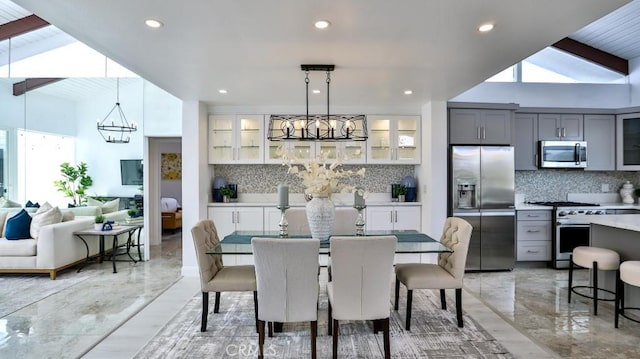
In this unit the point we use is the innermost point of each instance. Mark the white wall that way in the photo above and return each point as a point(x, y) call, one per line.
point(634, 79)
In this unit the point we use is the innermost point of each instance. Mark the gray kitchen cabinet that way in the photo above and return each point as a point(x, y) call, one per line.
point(479, 126)
point(600, 135)
point(534, 235)
point(560, 127)
point(525, 141)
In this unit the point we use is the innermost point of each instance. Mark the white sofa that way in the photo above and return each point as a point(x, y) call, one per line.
point(56, 247)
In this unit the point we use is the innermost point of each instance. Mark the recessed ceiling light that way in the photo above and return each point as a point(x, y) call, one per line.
point(322, 24)
point(485, 27)
point(223, 91)
point(408, 92)
point(153, 23)
point(316, 91)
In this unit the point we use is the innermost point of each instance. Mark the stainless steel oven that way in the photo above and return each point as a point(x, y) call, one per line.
point(569, 235)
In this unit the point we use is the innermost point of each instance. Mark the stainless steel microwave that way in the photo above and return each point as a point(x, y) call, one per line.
point(562, 154)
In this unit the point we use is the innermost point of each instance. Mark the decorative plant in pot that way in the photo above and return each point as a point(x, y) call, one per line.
point(99, 222)
point(226, 192)
point(401, 192)
point(74, 183)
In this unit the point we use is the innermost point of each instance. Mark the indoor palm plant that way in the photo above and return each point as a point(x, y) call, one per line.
point(74, 183)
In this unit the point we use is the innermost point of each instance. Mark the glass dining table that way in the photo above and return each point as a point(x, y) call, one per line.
point(409, 242)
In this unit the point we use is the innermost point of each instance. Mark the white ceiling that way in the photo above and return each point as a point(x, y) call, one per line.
point(380, 48)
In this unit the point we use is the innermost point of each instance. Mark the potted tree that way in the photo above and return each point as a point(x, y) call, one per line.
point(74, 183)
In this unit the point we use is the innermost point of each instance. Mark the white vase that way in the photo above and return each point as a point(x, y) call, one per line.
point(98, 226)
point(320, 214)
point(626, 192)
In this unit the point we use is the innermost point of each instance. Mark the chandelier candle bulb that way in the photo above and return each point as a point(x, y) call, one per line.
point(283, 196)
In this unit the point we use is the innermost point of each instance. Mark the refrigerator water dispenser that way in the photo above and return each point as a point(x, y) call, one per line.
point(466, 195)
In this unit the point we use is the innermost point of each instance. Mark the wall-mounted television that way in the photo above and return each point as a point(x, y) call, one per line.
point(131, 172)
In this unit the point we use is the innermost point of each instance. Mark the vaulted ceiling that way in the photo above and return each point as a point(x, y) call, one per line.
point(380, 48)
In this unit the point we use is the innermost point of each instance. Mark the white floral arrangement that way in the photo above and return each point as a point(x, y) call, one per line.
point(321, 178)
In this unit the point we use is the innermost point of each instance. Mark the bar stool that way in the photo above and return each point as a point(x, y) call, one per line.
point(629, 274)
point(593, 258)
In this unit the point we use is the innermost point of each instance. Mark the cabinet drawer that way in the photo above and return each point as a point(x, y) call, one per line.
point(534, 251)
point(534, 231)
point(534, 215)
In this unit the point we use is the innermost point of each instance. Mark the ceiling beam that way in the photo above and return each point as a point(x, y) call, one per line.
point(603, 58)
point(20, 88)
point(21, 26)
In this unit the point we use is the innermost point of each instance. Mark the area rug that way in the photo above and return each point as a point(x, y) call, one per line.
point(20, 290)
point(231, 333)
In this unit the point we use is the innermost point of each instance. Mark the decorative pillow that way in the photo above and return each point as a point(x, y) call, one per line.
point(6, 203)
point(68, 216)
point(18, 226)
point(46, 214)
point(107, 207)
point(168, 204)
point(30, 204)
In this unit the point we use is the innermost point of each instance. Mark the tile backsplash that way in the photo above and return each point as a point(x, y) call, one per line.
point(265, 178)
point(554, 184)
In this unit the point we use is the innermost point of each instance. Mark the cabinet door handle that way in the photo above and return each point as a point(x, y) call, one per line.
point(391, 218)
point(484, 133)
point(233, 217)
point(532, 215)
point(237, 217)
point(478, 133)
point(530, 251)
point(396, 212)
point(558, 132)
point(564, 132)
point(532, 231)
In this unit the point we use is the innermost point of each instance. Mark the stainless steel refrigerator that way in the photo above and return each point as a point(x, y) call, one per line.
point(482, 192)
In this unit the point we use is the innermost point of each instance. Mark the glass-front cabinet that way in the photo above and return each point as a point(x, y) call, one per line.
point(628, 142)
point(236, 138)
point(393, 139)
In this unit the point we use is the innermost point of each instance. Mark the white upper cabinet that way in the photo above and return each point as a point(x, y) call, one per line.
point(628, 142)
point(236, 139)
point(393, 139)
point(479, 126)
point(560, 127)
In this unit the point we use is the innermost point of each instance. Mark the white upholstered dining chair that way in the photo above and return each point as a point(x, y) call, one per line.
point(448, 273)
point(361, 281)
point(287, 284)
point(214, 276)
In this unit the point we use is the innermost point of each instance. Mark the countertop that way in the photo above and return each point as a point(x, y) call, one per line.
point(610, 205)
point(623, 221)
point(532, 207)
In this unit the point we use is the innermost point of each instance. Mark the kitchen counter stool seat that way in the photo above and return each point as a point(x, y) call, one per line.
point(629, 274)
point(594, 258)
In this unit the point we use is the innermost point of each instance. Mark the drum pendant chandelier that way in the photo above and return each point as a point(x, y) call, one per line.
point(116, 130)
point(315, 127)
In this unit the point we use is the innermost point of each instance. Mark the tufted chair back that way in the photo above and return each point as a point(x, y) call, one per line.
point(456, 235)
point(205, 237)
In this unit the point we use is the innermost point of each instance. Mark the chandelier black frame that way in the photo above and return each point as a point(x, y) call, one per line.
point(317, 127)
point(116, 132)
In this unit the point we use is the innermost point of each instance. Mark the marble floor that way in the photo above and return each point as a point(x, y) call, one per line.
point(98, 314)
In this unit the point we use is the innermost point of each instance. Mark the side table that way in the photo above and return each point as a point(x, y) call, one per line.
point(130, 229)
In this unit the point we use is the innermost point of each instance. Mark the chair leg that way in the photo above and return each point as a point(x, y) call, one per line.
point(314, 334)
point(330, 320)
point(205, 311)
point(270, 325)
point(255, 306)
point(397, 292)
point(409, 300)
point(387, 346)
point(216, 306)
point(443, 300)
point(459, 307)
point(595, 288)
point(260, 338)
point(570, 278)
point(621, 297)
point(335, 339)
point(617, 301)
point(376, 326)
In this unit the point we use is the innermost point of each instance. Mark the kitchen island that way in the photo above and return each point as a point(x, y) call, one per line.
point(620, 233)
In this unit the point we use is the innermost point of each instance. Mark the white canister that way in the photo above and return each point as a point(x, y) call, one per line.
point(626, 193)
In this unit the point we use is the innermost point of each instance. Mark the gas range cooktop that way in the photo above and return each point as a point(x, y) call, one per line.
point(566, 204)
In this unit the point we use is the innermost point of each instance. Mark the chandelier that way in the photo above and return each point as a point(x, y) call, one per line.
point(316, 127)
point(116, 130)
